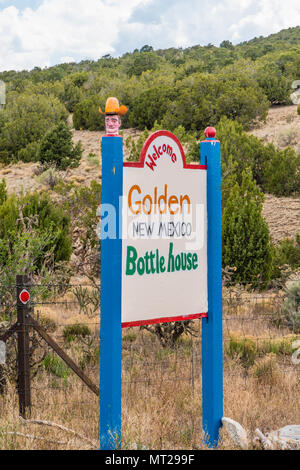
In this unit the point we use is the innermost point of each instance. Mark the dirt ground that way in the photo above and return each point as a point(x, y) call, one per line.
point(282, 127)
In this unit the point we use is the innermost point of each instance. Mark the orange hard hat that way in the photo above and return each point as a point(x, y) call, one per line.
point(112, 107)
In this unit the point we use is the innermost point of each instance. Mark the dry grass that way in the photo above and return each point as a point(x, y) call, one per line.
point(161, 402)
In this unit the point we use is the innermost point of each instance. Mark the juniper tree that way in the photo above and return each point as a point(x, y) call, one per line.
point(57, 149)
point(246, 239)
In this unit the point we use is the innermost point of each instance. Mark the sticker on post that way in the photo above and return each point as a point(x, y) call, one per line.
point(24, 296)
point(2, 353)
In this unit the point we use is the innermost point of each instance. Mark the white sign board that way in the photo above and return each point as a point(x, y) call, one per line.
point(164, 231)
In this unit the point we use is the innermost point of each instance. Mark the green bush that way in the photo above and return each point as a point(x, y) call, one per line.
point(150, 106)
point(279, 346)
point(29, 153)
point(86, 115)
point(287, 252)
point(82, 203)
point(246, 237)
point(27, 117)
point(203, 99)
point(36, 217)
point(290, 310)
point(49, 177)
point(75, 331)
point(275, 85)
point(5, 158)
point(56, 366)
point(3, 191)
point(281, 174)
point(275, 171)
point(244, 349)
point(142, 62)
point(57, 149)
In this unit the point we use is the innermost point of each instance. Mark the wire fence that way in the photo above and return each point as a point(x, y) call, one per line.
point(156, 381)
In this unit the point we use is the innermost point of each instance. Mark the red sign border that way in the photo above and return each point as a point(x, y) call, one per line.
point(141, 164)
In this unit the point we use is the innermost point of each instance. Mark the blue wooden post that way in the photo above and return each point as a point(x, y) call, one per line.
point(111, 272)
point(212, 347)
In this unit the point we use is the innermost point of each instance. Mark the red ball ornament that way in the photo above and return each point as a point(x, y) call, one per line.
point(210, 132)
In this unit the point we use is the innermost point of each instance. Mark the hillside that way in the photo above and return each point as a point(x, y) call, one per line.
point(243, 90)
point(282, 127)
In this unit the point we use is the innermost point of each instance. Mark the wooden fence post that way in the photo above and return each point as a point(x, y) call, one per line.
point(23, 350)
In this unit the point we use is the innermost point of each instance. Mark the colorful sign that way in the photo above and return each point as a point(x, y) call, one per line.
point(24, 296)
point(161, 260)
point(164, 235)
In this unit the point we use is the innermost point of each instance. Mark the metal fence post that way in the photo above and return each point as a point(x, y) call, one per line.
point(23, 350)
point(212, 343)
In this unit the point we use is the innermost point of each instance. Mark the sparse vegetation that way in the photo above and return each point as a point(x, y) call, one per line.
point(52, 236)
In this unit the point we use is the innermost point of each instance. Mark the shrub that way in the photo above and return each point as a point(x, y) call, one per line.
point(287, 253)
point(48, 324)
point(93, 159)
point(150, 106)
point(82, 203)
point(246, 237)
point(75, 331)
point(3, 191)
point(56, 366)
point(135, 147)
point(276, 171)
point(86, 115)
point(34, 221)
point(57, 149)
point(5, 158)
point(29, 153)
point(275, 86)
point(169, 333)
point(290, 310)
point(244, 349)
point(281, 174)
point(278, 346)
point(49, 177)
point(27, 117)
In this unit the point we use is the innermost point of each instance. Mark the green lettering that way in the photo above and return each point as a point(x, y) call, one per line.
point(171, 259)
point(141, 266)
point(195, 261)
point(162, 264)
